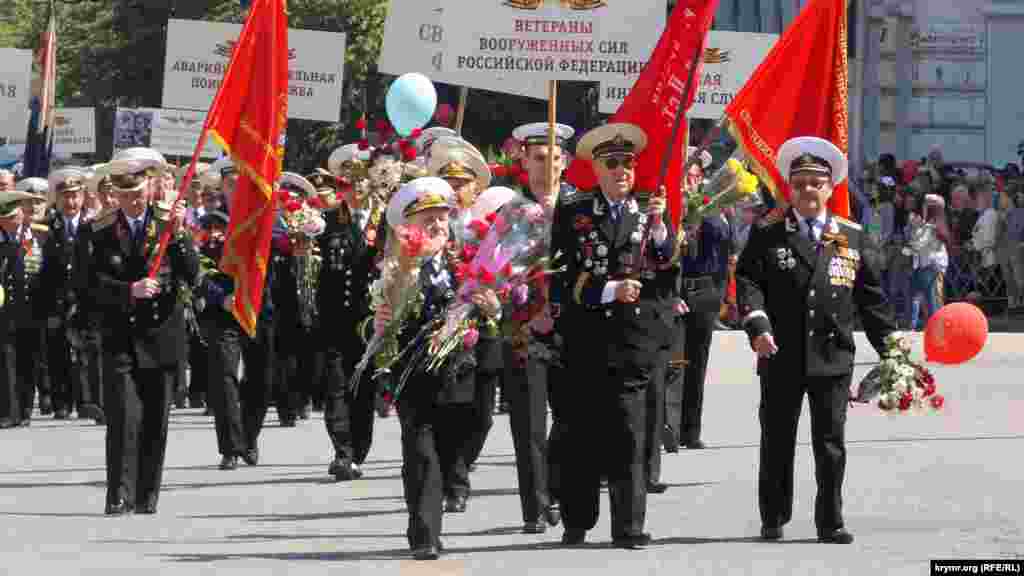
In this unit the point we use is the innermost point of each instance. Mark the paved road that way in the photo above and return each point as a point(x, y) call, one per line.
point(918, 487)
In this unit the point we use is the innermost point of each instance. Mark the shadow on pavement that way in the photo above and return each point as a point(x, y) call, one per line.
point(298, 517)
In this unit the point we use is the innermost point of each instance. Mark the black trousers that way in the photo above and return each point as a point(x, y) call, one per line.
point(64, 384)
point(607, 434)
point(781, 401)
point(655, 422)
point(526, 389)
point(483, 413)
point(10, 409)
point(674, 377)
point(199, 375)
point(699, 328)
point(433, 462)
point(28, 369)
point(136, 413)
point(239, 409)
point(349, 416)
point(88, 367)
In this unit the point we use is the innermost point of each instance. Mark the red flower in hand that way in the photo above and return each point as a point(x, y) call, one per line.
point(499, 170)
point(506, 270)
point(707, 200)
point(480, 228)
point(416, 133)
point(293, 206)
point(491, 217)
point(524, 179)
point(515, 170)
point(487, 277)
point(462, 272)
point(412, 240)
point(905, 401)
point(929, 389)
point(938, 401)
point(469, 252)
point(382, 125)
point(361, 124)
point(364, 144)
point(409, 154)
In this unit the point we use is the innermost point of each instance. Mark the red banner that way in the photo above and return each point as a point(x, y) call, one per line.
point(654, 100)
point(800, 89)
point(247, 119)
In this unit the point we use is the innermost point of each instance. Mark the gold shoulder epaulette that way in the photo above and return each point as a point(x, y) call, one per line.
point(848, 223)
point(40, 227)
point(774, 216)
point(104, 219)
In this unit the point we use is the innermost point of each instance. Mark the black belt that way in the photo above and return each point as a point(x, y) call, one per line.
point(698, 283)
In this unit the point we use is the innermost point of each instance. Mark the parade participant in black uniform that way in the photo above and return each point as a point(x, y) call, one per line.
point(210, 243)
point(58, 297)
point(533, 352)
point(435, 410)
point(139, 333)
point(348, 247)
point(297, 318)
point(800, 282)
point(464, 168)
point(617, 328)
point(705, 272)
point(238, 408)
point(15, 307)
point(31, 331)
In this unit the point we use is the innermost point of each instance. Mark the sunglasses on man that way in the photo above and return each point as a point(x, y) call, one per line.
point(613, 162)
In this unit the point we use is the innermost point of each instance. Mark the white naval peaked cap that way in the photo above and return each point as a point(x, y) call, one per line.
point(454, 157)
point(10, 201)
point(416, 196)
point(99, 172)
point(222, 166)
point(135, 160)
point(491, 200)
point(812, 154)
point(343, 154)
point(537, 133)
point(69, 179)
point(297, 182)
point(617, 138)
point(33, 185)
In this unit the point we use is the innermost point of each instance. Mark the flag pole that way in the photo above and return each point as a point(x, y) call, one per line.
point(186, 181)
point(460, 114)
point(552, 116)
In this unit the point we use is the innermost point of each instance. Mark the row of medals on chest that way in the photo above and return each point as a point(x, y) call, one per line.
point(593, 253)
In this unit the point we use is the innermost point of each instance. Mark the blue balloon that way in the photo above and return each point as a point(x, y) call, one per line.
point(410, 102)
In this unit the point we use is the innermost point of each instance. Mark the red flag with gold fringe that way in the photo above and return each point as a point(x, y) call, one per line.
point(247, 119)
point(800, 89)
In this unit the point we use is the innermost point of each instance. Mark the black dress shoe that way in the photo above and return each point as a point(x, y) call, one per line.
point(288, 423)
point(343, 470)
point(574, 537)
point(45, 406)
point(536, 527)
point(633, 541)
point(118, 508)
point(146, 508)
point(553, 515)
point(251, 457)
point(455, 504)
point(837, 536)
point(60, 414)
point(771, 533)
point(101, 417)
point(656, 487)
point(695, 445)
point(229, 463)
point(25, 422)
point(8, 423)
point(426, 553)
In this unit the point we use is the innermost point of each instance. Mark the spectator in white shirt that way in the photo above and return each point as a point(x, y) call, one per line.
point(983, 242)
point(927, 245)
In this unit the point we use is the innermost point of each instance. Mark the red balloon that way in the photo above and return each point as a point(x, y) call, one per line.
point(955, 334)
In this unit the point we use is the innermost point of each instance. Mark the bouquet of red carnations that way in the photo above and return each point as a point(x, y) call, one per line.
point(899, 383)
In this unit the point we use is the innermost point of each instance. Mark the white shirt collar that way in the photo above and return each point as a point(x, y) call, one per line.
point(819, 223)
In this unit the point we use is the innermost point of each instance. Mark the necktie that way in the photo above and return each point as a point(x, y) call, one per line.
point(616, 212)
point(810, 230)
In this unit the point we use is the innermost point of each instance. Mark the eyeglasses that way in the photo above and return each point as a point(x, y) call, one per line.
point(613, 162)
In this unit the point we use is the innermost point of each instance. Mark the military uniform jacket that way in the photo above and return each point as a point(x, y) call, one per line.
point(807, 295)
point(16, 304)
point(346, 272)
point(58, 294)
point(149, 330)
point(597, 250)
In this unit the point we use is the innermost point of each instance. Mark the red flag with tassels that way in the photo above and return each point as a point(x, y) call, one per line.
point(248, 119)
point(653, 101)
point(800, 89)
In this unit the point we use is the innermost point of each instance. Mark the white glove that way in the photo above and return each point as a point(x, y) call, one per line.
point(145, 288)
